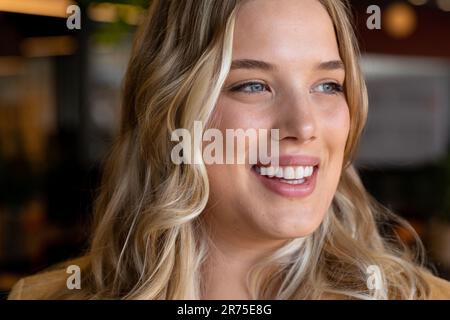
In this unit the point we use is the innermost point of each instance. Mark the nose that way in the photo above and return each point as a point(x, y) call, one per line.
point(296, 118)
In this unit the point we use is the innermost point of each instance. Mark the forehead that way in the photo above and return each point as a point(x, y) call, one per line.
point(284, 30)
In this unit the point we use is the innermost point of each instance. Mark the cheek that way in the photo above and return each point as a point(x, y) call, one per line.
point(219, 183)
point(224, 178)
point(236, 115)
point(336, 124)
point(228, 113)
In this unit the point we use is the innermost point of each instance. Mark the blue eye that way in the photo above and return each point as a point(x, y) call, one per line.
point(250, 87)
point(330, 88)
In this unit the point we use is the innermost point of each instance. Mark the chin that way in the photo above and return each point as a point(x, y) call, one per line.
point(296, 223)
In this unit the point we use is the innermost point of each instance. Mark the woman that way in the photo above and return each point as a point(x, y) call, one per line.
point(302, 229)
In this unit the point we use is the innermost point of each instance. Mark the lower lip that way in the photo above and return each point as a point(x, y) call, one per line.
point(289, 190)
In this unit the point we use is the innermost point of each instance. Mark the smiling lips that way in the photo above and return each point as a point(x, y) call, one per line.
point(294, 177)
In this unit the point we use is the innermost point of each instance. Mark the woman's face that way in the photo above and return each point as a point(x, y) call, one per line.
point(286, 74)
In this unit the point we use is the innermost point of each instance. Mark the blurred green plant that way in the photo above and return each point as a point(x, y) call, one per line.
point(114, 32)
point(140, 3)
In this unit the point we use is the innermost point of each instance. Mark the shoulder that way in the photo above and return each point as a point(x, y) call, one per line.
point(49, 284)
point(439, 288)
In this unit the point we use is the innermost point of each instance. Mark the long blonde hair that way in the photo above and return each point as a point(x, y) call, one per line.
point(149, 241)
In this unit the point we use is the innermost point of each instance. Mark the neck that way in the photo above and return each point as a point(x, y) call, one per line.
point(231, 256)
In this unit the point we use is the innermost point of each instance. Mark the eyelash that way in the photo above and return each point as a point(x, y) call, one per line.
point(337, 88)
point(240, 87)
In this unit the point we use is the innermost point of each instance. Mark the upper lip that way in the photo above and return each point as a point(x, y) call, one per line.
point(294, 160)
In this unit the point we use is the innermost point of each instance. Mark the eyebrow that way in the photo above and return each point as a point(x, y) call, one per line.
point(259, 64)
point(331, 65)
point(251, 64)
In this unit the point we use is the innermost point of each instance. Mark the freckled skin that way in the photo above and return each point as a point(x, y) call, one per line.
point(294, 36)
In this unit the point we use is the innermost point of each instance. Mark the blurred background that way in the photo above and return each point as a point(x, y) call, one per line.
point(59, 108)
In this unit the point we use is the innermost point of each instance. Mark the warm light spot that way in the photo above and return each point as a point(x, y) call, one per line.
point(400, 20)
point(111, 12)
point(102, 12)
point(52, 8)
point(444, 5)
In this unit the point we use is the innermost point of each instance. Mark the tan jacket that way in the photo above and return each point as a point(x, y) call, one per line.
point(39, 286)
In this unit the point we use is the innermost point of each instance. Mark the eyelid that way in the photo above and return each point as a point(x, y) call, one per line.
point(239, 85)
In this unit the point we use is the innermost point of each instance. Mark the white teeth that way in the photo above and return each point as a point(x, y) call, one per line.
point(289, 173)
point(279, 173)
point(299, 172)
point(296, 173)
point(300, 181)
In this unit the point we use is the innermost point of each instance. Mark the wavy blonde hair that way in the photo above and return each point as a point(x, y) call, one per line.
point(149, 241)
